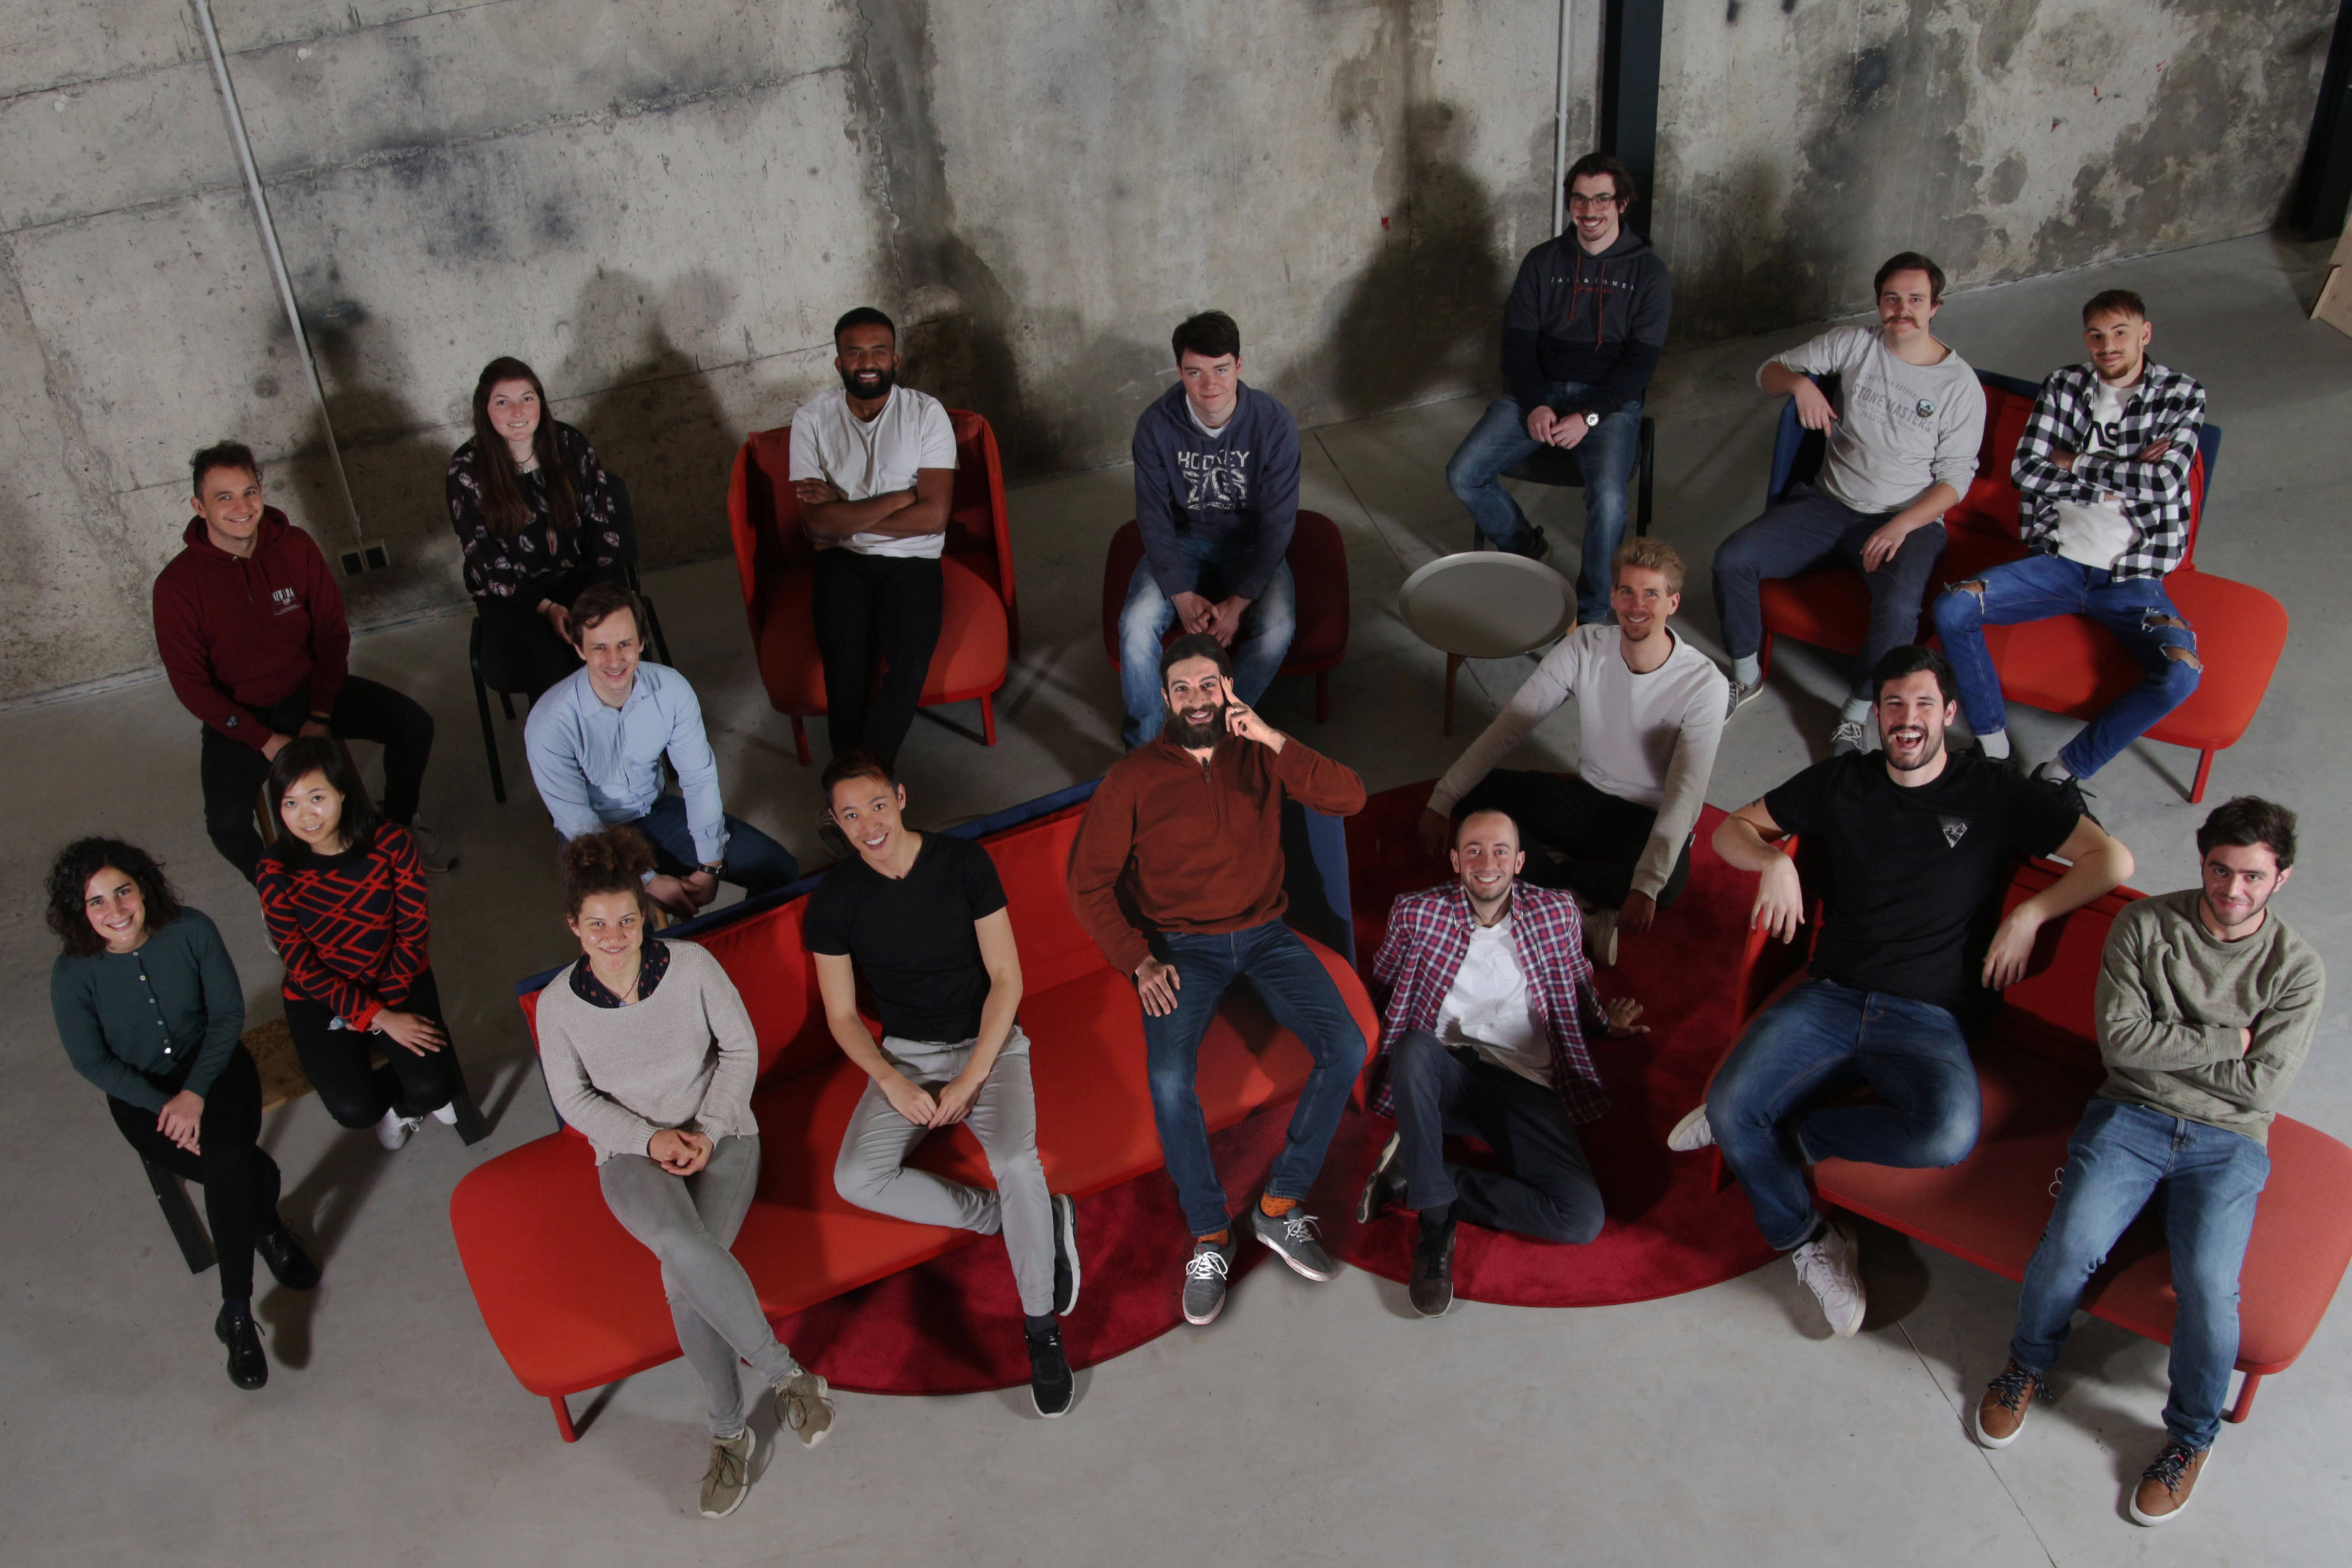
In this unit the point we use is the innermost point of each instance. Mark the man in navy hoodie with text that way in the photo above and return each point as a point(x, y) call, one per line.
point(1216, 495)
point(1581, 336)
point(251, 629)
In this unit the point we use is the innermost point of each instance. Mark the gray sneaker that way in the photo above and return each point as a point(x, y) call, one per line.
point(804, 1407)
point(1204, 1280)
point(1741, 696)
point(1292, 1239)
point(1847, 737)
point(728, 1481)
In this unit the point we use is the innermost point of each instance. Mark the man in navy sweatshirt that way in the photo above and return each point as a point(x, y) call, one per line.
point(251, 629)
point(1216, 494)
point(1582, 335)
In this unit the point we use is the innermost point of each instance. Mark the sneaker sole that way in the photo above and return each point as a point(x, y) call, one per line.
point(740, 1498)
point(1388, 1152)
point(1204, 1323)
point(1039, 1406)
point(2153, 1520)
point(1681, 1140)
point(1065, 1232)
point(1440, 1312)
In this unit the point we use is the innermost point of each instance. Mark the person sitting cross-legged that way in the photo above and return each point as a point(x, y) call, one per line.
point(1920, 844)
point(1484, 1034)
point(2101, 475)
point(922, 916)
point(2207, 1004)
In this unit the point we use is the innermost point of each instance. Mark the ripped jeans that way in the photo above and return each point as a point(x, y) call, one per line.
point(2135, 609)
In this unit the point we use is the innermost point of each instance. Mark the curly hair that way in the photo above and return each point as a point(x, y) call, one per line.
point(610, 861)
point(69, 883)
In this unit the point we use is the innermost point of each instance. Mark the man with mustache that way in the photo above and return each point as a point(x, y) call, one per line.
point(1903, 450)
point(2206, 1005)
point(873, 470)
point(1920, 845)
point(2101, 475)
point(1649, 710)
point(1185, 832)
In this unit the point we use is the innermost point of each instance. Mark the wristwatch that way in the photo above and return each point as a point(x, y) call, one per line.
point(715, 868)
point(1591, 419)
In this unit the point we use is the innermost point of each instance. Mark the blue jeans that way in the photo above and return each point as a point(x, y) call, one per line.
point(1606, 457)
point(1257, 649)
point(1819, 1041)
point(755, 862)
point(2207, 1181)
point(1297, 991)
point(2137, 609)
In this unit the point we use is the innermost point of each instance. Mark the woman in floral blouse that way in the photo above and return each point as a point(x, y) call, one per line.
point(539, 520)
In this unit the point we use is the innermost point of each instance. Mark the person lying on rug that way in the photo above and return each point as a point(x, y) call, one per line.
point(1186, 831)
point(1920, 844)
point(649, 1054)
point(1649, 714)
point(921, 917)
point(1484, 1036)
point(2207, 1004)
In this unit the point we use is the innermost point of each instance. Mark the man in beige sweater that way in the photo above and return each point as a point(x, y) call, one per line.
point(2206, 1006)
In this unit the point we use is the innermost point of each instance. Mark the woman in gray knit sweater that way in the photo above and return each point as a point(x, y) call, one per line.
point(648, 1052)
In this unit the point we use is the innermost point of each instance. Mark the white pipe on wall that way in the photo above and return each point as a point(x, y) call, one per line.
point(276, 256)
point(1560, 125)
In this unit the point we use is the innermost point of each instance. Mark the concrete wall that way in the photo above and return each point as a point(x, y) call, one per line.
point(1802, 142)
point(663, 207)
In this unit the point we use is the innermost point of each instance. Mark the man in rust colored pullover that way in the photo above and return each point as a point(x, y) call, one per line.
point(1186, 833)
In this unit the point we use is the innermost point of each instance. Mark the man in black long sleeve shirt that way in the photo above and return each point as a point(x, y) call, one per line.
point(1581, 336)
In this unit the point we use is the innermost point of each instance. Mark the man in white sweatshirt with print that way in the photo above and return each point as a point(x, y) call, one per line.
point(1650, 709)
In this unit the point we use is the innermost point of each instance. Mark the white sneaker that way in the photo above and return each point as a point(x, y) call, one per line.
point(1601, 937)
point(394, 1128)
point(448, 1115)
point(1827, 1265)
point(1691, 1133)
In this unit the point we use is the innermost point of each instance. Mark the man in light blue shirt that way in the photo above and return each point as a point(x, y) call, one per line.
point(596, 741)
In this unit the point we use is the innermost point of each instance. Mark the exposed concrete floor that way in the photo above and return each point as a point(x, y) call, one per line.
point(1312, 1423)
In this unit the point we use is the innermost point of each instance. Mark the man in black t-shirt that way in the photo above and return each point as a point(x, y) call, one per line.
point(1919, 845)
point(921, 918)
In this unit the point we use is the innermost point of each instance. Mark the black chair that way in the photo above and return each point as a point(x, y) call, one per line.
point(495, 678)
point(1556, 466)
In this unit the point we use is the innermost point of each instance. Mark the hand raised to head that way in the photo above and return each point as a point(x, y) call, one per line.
point(1242, 721)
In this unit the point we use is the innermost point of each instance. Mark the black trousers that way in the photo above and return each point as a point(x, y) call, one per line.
point(1546, 1189)
point(239, 1179)
point(1600, 837)
point(336, 1061)
point(869, 606)
point(233, 771)
point(522, 653)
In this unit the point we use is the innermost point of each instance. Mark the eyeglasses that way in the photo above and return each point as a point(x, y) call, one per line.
point(1589, 202)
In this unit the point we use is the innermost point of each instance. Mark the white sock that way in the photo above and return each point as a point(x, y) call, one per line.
point(2056, 771)
point(1856, 709)
point(1747, 671)
point(1996, 745)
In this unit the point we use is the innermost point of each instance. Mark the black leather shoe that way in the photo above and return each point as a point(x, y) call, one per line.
point(293, 1268)
point(248, 1368)
point(1384, 1189)
point(1431, 1282)
point(1051, 1384)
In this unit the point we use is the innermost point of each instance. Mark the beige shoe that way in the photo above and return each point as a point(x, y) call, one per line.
point(804, 1407)
point(2163, 1492)
point(2001, 1414)
point(1601, 937)
point(728, 1481)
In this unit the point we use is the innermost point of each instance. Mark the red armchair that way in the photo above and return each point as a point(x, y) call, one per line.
point(980, 627)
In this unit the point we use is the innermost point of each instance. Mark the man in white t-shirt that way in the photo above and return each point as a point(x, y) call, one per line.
point(2101, 475)
point(874, 469)
point(1902, 450)
point(1650, 710)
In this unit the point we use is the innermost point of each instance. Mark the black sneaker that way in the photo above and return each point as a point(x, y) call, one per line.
point(1431, 1280)
point(1066, 1254)
point(1384, 1188)
point(1204, 1279)
point(1292, 1239)
point(292, 1267)
point(1051, 1386)
point(248, 1368)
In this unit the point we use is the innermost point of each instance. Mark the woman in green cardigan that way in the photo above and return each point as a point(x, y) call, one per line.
point(150, 1010)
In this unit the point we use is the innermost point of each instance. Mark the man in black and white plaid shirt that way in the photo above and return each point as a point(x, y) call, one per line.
point(2102, 474)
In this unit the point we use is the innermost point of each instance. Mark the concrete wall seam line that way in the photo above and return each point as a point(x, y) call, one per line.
point(1560, 124)
point(278, 261)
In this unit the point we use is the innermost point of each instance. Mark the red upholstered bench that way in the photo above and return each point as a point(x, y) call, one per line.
point(2068, 665)
point(574, 1302)
point(2038, 1065)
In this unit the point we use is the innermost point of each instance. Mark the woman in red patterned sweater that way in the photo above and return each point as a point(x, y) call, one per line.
point(343, 894)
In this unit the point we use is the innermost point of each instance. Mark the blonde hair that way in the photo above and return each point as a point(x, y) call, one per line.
point(1656, 554)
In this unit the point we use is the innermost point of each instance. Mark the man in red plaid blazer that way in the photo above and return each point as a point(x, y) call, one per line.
point(1490, 1003)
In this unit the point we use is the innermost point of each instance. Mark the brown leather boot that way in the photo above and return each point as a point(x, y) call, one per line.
point(2164, 1487)
point(2001, 1414)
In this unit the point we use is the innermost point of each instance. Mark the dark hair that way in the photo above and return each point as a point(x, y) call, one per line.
point(610, 861)
point(68, 884)
point(220, 455)
point(503, 506)
point(1909, 261)
point(1910, 659)
point(297, 759)
point(598, 600)
point(1463, 814)
point(2122, 299)
point(1194, 645)
point(1211, 334)
point(1620, 177)
point(2248, 819)
point(857, 762)
point(864, 316)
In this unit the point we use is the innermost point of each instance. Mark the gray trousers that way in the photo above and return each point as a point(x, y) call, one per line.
point(872, 1172)
point(688, 1223)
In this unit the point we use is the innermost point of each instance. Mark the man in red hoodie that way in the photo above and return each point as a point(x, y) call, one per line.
point(250, 626)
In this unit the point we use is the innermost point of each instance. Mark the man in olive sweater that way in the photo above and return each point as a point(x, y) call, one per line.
point(2206, 1006)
